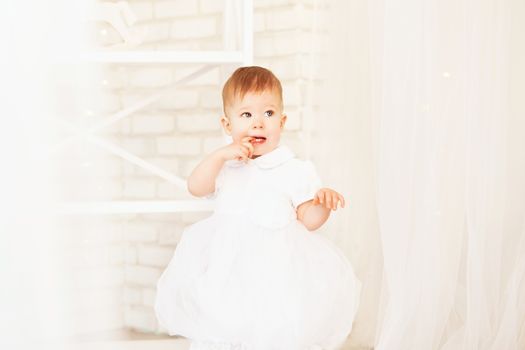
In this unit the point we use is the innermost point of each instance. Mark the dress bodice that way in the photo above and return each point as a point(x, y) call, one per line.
point(267, 189)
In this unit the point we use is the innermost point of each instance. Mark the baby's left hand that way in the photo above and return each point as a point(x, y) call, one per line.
point(329, 198)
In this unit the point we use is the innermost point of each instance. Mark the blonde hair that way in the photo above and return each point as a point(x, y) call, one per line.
point(250, 79)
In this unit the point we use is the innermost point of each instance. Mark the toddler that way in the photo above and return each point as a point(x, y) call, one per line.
point(255, 275)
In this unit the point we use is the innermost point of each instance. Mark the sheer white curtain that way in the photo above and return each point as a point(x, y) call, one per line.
point(421, 125)
point(34, 298)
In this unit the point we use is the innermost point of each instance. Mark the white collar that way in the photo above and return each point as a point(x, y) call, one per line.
point(268, 160)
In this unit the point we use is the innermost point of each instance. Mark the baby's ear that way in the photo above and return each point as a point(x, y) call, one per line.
point(226, 124)
point(283, 120)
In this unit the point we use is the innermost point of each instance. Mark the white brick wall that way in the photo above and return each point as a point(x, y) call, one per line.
point(129, 98)
point(283, 43)
point(131, 255)
point(141, 318)
point(174, 133)
point(169, 235)
point(210, 99)
point(139, 189)
point(107, 35)
point(151, 77)
point(292, 95)
point(168, 191)
point(116, 255)
point(148, 297)
point(143, 10)
point(191, 217)
point(259, 24)
point(179, 99)
point(178, 8)
point(289, 17)
point(293, 120)
point(211, 6)
point(166, 163)
point(132, 295)
point(140, 232)
point(152, 124)
point(179, 145)
point(100, 188)
point(189, 166)
point(92, 258)
point(139, 146)
point(142, 275)
point(112, 78)
point(155, 31)
point(194, 28)
point(106, 102)
point(154, 256)
point(98, 277)
point(192, 123)
point(96, 321)
point(213, 143)
point(211, 77)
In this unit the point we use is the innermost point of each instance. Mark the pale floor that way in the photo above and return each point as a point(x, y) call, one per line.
point(130, 340)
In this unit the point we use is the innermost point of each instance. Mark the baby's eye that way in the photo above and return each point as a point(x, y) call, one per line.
point(246, 115)
point(268, 113)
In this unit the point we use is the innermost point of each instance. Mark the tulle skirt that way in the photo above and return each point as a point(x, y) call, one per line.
point(243, 286)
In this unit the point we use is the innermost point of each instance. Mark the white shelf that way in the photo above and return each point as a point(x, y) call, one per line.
point(163, 57)
point(239, 12)
point(134, 207)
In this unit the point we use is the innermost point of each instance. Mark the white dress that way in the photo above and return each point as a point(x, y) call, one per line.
point(251, 276)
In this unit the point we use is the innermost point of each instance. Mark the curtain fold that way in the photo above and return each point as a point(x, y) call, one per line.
point(34, 297)
point(420, 113)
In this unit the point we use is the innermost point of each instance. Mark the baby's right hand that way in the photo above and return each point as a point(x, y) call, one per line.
point(241, 151)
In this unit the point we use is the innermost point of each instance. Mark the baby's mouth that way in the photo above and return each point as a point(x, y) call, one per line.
point(258, 140)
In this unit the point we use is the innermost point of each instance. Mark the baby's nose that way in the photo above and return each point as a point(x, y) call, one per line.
point(257, 123)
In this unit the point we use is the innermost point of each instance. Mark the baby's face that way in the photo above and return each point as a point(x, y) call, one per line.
point(259, 115)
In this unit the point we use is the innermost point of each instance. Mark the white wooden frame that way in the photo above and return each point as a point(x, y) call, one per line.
point(210, 59)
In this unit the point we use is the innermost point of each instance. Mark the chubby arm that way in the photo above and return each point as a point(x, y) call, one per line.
point(312, 216)
point(202, 179)
point(314, 213)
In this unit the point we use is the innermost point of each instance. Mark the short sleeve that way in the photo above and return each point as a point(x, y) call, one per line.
point(306, 183)
point(219, 180)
